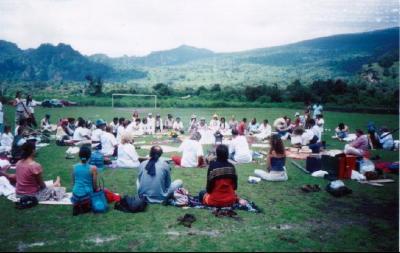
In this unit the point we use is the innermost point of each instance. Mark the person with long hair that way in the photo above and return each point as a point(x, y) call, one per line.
point(84, 177)
point(276, 170)
point(29, 178)
point(222, 181)
point(154, 178)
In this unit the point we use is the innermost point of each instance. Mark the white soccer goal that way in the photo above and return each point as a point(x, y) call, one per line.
point(133, 95)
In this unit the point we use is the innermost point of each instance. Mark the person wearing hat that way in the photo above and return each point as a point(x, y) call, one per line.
point(151, 123)
point(96, 134)
point(193, 124)
point(158, 125)
point(215, 123)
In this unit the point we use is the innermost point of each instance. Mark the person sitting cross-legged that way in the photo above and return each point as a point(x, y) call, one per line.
point(221, 181)
point(359, 146)
point(276, 170)
point(239, 150)
point(154, 178)
point(192, 152)
point(127, 155)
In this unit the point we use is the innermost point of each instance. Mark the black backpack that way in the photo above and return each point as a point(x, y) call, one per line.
point(131, 205)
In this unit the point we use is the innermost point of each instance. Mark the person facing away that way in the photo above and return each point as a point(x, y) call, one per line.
point(127, 155)
point(29, 177)
point(154, 178)
point(239, 150)
point(192, 152)
point(84, 176)
point(276, 170)
point(108, 142)
point(221, 181)
point(386, 139)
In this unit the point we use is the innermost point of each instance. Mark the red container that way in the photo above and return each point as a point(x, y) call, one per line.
point(347, 164)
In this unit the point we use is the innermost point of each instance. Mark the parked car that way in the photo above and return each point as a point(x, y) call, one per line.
point(52, 103)
point(68, 103)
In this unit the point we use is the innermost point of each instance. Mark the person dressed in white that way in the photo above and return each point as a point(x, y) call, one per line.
point(192, 152)
point(224, 127)
point(317, 110)
point(178, 125)
point(120, 129)
point(108, 142)
point(7, 139)
point(81, 133)
point(193, 124)
point(215, 123)
point(239, 150)
point(320, 122)
point(97, 133)
point(265, 131)
point(253, 127)
point(135, 128)
point(151, 124)
point(169, 122)
point(1, 118)
point(207, 135)
point(114, 124)
point(145, 127)
point(127, 155)
point(45, 123)
point(158, 124)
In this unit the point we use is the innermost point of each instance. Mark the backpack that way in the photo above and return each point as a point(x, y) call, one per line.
point(131, 205)
point(26, 202)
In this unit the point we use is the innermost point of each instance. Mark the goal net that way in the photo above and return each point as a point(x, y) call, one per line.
point(134, 100)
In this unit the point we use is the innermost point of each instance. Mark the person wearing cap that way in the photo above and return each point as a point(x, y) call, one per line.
point(158, 124)
point(192, 152)
point(151, 124)
point(215, 123)
point(96, 134)
point(45, 123)
point(193, 124)
point(169, 122)
point(239, 150)
point(178, 125)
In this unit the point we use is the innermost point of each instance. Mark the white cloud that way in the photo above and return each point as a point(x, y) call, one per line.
point(137, 27)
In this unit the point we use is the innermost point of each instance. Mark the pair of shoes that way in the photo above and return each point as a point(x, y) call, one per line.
point(310, 188)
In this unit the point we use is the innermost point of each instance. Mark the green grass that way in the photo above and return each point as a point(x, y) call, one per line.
point(367, 220)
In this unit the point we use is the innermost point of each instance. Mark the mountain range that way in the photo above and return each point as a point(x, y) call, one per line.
point(338, 56)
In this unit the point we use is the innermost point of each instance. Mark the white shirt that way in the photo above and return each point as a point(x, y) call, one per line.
point(127, 156)
point(240, 147)
point(96, 135)
point(316, 130)
point(307, 136)
point(151, 124)
point(1, 114)
point(214, 125)
point(191, 151)
point(178, 126)
point(108, 143)
point(79, 134)
point(7, 140)
point(320, 123)
point(265, 131)
point(114, 127)
point(120, 132)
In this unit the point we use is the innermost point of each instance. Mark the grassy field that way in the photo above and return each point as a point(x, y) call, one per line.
point(367, 220)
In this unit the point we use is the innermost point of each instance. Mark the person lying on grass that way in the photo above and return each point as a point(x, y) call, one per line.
point(29, 178)
point(276, 170)
point(154, 178)
point(192, 153)
point(84, 177)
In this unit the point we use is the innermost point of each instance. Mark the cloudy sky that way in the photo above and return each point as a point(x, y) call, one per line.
point(137, 27)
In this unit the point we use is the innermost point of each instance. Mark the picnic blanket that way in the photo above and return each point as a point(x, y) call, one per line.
point(260, 145)
point(8, 190)
point(165, 148)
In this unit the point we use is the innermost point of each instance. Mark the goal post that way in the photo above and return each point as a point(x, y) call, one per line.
point(133, 95)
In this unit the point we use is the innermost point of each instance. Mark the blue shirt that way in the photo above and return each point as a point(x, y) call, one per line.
point(83, 180)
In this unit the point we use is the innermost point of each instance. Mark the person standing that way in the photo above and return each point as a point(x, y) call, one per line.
point(19, 107)
point(29, 106)
point(317, 110)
